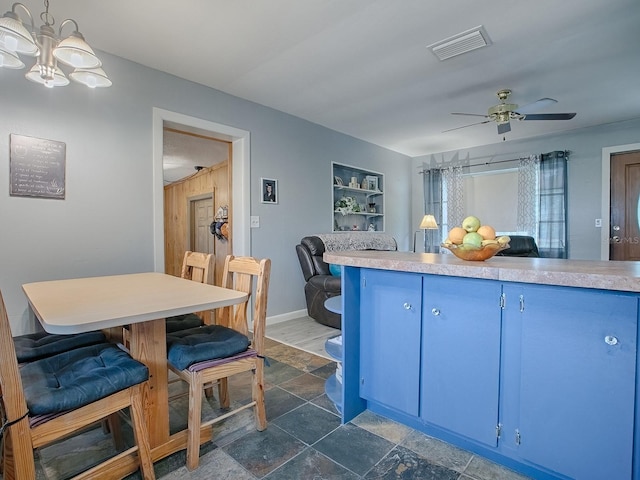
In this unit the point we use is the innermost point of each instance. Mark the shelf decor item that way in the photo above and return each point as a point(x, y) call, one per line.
point(372, 182)
point(347, 205)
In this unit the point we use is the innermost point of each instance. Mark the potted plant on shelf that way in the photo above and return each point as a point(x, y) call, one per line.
point(347, 205)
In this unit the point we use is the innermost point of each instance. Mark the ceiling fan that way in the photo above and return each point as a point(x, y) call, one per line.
point(504, 112)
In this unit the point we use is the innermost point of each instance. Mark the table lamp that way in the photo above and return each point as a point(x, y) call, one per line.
point(428, 223)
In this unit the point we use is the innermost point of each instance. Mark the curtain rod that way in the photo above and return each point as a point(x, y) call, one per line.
point(422, 172)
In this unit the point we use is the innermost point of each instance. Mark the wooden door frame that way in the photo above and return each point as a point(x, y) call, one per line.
point(606, 193)
point(240, 180)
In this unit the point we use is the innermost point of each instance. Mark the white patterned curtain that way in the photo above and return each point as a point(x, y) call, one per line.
point(453, 198)
point(528, 195)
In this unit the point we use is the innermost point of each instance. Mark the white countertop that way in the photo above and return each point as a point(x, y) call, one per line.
point(84, 304)
point(606, 275)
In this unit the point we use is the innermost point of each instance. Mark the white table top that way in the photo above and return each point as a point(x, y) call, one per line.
point(85, 304)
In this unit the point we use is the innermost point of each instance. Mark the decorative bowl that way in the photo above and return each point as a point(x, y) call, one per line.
point(477, 254)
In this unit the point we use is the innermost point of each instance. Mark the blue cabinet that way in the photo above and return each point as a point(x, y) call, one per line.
point(569, 379)
point(461, 356)
point(390, 316)
point(541, 378)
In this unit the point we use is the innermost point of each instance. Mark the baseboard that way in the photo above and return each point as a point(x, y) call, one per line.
point(286, 316)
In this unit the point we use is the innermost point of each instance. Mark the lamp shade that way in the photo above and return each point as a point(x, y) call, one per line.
point(59, 80)
point(75, 52)
point(428, 223)
point(92, 78)
point(11, 26)
point(9, 59)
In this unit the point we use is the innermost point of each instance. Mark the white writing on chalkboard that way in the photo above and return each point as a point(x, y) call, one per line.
point(37, 167)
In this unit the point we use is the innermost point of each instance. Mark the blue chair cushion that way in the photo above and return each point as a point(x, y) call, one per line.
point(79, 377)
point(35, 346)
point(187, 347)
point(183, 322)
point(335, 270)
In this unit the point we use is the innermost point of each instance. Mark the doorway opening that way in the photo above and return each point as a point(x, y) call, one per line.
point(240, 178)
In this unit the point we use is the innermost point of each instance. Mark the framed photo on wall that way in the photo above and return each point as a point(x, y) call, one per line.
point(269, 190)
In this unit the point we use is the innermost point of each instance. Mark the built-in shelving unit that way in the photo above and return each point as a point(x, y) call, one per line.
point(358, 199)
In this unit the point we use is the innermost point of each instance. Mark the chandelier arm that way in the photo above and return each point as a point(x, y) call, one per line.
point(27, 11)
point(71, 20)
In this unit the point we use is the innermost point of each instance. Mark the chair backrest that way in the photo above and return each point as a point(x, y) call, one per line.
point(240, 273)
point(521, 246)
point(13, 399)
point(198, 267)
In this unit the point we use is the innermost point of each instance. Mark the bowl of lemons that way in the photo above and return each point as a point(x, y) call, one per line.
point(474, 241)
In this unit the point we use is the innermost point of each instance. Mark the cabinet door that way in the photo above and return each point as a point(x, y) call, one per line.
point(577, 381)
point(390, 311)
point(461, 356)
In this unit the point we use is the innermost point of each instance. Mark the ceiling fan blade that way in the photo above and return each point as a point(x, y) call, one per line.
point(470, 114)
point(537, 105)
point(549, 116)
point(504, 128)
point(465, 126)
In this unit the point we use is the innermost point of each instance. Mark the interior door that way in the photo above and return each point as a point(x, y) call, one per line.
point(624, 237)
point(201, 217)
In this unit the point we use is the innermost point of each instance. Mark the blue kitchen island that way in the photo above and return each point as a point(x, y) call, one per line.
point(529, 362)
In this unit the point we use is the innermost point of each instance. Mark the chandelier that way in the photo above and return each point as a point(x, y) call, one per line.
point(50, 49)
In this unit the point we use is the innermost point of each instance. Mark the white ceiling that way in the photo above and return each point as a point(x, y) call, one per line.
point(184, 152)
point(361, 67)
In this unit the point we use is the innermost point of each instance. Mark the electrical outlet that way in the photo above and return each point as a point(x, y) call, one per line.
point(255, 221)
point(598, 222)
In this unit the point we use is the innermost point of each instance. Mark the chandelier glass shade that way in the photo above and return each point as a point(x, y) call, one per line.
point(50, 49)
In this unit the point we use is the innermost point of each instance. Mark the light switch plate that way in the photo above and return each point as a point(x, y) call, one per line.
point(598, 222)
point(255, 221)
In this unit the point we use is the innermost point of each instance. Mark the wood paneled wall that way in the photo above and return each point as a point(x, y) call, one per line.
point(215, 179)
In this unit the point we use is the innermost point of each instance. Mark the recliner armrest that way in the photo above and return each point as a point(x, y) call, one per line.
point(305, 262)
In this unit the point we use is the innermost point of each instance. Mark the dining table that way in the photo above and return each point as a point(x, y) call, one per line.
point(141, 301)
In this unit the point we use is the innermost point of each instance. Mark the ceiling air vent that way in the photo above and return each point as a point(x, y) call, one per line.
point(461, 43)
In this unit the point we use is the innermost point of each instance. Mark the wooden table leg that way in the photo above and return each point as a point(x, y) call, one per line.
point(148, 345)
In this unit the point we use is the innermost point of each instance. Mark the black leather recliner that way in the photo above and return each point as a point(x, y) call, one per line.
point(521, 246)
point(320, 283)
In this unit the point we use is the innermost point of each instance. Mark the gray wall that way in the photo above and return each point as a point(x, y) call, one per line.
point(105, 224)
point(584, 174)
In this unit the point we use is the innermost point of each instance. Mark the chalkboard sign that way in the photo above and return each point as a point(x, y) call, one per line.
point(37, 167)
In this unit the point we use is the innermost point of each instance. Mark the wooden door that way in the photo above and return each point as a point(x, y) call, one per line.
point(624, 236)
point(201, 218)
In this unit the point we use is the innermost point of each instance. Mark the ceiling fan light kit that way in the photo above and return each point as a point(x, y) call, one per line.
point(504, 112)
point(49, 48)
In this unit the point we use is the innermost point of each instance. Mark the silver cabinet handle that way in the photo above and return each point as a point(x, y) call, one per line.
point(407, 306)
point(610, 340)
point(435, 311)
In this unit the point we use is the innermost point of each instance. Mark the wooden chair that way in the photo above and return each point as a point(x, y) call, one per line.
point(34, 419)
point(201, 349)
point(198, 267)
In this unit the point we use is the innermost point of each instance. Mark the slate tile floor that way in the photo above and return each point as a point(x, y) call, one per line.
point(304, 439)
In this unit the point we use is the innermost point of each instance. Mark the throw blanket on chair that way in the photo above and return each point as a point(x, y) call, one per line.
point(334, 242)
